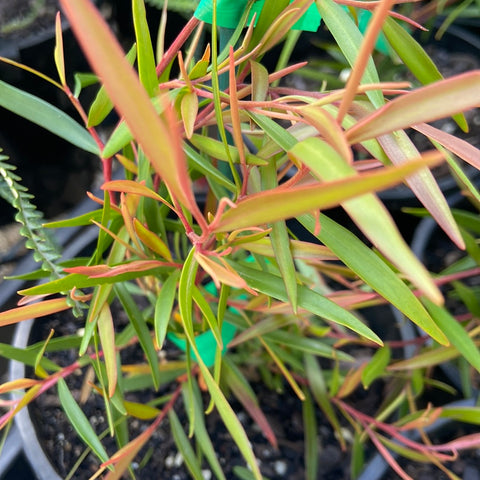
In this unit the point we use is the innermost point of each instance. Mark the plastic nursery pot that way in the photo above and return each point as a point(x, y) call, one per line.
point(431, 246)
point(23, 435)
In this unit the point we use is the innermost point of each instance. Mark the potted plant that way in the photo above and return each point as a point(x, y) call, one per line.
point(193, 250)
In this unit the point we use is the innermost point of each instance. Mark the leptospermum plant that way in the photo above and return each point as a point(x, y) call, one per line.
point(225, 265)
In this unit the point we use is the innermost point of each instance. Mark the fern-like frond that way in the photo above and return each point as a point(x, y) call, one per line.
point(37, 238)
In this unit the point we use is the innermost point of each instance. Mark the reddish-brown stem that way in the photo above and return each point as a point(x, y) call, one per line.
point(174, 48)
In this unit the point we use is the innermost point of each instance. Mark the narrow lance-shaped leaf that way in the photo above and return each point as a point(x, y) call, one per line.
point(160, 143)
point(47, 116)
point(58, 52)
point(184, 447)
point(164, 305)
point(102, 105)
point(456, 333)
point(146, 58)
point(79, 421)
point(107, 339)
point(368, 212)
point(309, 300)
point(426, 104)
point(400, 149)
point(281, 244)
point(371, 269)
point(415, 58)
point(348, 37)
point(280, 204)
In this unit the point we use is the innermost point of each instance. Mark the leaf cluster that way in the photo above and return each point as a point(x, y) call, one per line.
point(216, 239)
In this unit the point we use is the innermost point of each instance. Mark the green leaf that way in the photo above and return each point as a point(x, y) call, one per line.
point(184, 447)
point(462, 414)
point(146, 57)
point(310, 300)
point(348, 37)
point(47, 116)
point(185, 293)
point(319, 391)
point(163, 307)
point(79, 421)
point(107, 337)
point(201, 434)
point(280, 203)
point(311, 437)
point(375, 368)
point(137, 319)
point(415, 58)
point(281, 243)
point(456, 333)
point(102, 105)
point(368, 212)
point(371, 269)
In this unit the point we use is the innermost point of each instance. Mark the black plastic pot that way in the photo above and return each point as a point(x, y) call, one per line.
point(426, 233)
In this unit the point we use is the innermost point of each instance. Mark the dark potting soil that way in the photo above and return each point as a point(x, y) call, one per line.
point(283, 410)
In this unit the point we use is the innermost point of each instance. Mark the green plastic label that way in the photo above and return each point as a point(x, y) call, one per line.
point(229, 13)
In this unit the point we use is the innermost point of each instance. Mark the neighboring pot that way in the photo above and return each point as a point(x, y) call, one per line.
point(425, 236)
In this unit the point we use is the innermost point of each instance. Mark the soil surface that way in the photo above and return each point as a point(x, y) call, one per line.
point(283, 411)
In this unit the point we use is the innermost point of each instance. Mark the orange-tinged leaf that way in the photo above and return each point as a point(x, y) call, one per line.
point(36, 310)
point(99, 271)
point(220, 274)
point(352, 380)
point(400, 149)
point(466, 151)
point(19, 384)
point(279, 203)
point(159, 139)
point(441, 99)
point(129, 186)
point(329, 128)
point(369, 214)
point(107, 339)
point(152, 240)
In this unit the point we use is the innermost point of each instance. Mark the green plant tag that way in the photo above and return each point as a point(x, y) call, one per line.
point(206, 343)
point(229, 14)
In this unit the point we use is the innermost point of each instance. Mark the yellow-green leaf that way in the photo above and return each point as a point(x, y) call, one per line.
point(435, 101)
point(368, 212)
point(107, 338)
